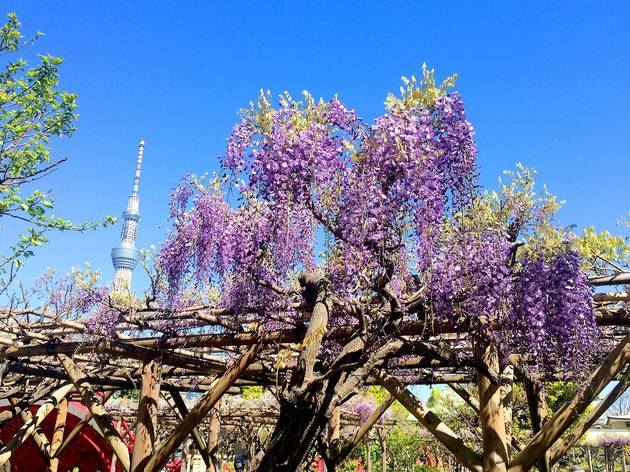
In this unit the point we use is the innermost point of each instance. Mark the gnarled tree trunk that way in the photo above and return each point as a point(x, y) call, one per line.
point(307, 399)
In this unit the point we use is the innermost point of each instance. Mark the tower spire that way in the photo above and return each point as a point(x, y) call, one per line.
point(126, 256)
point(136, 177)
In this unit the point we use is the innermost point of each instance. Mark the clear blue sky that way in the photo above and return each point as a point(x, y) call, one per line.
point(545, 83)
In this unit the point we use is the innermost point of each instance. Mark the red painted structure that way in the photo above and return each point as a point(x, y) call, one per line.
point(88, 451)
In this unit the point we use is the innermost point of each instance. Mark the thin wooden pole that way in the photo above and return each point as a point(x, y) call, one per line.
point(371, 420)
point(147, 414)
point(28, 427)
point(615, 362)
point(342, 450)
point(102, 419)
point(213, 440)
point(201, 409)
point(57, 437)
point(466, 396)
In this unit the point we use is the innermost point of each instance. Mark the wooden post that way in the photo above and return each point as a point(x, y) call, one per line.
point(147, 414)
point(495, 451)
point(429, 420)
point(79, 426)
point(537, 404)
point(213, 440)
point(28, 427)
point(382, 436)
point(473, 403)
point(177, 404)
point(200, 410)
point(335, 421)
point(57, 437)
point(384, 456)
point(102, 419)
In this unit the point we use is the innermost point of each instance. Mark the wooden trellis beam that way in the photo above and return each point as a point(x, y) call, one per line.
point(131, 349)
point(13, 392)
point(23, 403)
point(147, 348)
point(562, 447)
point(105, 380)
point(38, 435)
point(617, 279)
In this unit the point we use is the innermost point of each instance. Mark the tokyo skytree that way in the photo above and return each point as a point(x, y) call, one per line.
point(126, 256)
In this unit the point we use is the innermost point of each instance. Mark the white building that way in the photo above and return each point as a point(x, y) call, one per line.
point(612, 427)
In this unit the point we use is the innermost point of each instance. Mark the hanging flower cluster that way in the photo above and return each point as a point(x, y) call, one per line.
point(551, 318)
point(245, 249)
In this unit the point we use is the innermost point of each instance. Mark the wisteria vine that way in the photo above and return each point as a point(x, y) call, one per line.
point(309, 185)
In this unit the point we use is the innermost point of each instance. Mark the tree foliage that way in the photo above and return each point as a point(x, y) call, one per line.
point(32, 111)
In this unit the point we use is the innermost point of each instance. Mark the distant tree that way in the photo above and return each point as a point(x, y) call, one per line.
point(32, 111)
point(621, 406)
